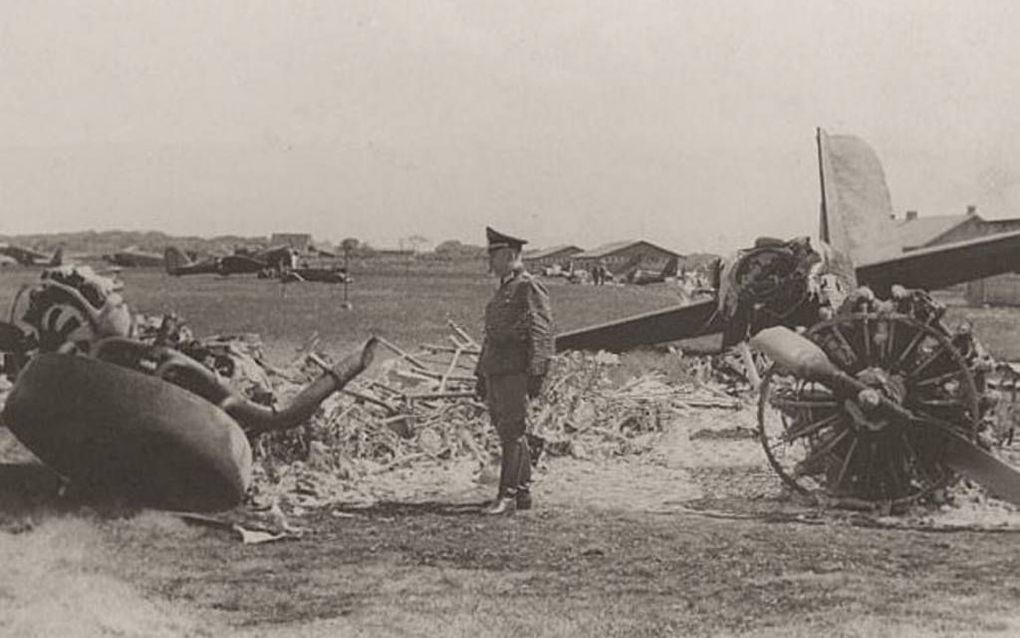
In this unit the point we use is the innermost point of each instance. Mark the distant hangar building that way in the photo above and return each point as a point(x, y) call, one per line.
point(560, 256)
point(917, 232)
point(618, 254)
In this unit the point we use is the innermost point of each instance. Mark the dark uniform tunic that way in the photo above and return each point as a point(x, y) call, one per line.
point(517, 346)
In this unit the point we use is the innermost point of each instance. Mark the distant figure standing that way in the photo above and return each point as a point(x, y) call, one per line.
point(601, 273)
point(513, 364)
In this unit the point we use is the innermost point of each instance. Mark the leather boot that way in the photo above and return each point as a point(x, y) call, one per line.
point(524, 501)
point(506, 500)
point(503, 505)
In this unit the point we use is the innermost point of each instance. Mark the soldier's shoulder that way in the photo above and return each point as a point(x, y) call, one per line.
point(525, 278)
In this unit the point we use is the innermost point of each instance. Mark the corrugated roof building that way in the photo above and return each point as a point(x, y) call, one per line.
point(922, 232)
point(617, 254)
point(917, 232)
point(554, 255)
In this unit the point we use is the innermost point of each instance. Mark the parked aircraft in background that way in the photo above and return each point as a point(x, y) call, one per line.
point(633, 273)
point(325, 274)
point(29, 257)
point(273, 262)
point(274, 257)
point(134, 258)
point(177, 264)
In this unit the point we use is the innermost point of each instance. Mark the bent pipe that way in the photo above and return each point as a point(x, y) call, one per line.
point(254, 419)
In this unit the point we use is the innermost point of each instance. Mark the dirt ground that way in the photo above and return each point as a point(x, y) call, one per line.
point(693, 538)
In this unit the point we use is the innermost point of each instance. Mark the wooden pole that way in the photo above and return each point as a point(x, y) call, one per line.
point(449, 371)
point(463, 334)
point(415, 362)
point(347, 277)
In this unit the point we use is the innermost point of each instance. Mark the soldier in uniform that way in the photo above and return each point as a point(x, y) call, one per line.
point(513, 363)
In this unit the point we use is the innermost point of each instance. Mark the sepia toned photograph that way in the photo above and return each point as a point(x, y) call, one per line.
point(504, 318)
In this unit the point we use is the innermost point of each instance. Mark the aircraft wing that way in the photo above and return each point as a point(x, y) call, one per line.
point(928, 268)
point(945, 265)
point(671, 324)
point(24, 256)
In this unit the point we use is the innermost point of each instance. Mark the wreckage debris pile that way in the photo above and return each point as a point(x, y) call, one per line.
point(417, 410)
point(421, 406)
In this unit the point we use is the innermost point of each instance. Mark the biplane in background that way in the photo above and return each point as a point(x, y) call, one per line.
point(873, 398)
point(29, 257)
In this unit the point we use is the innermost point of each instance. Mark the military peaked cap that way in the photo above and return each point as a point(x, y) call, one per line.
point(499, 240)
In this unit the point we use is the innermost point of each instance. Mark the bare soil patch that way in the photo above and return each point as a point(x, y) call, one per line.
point(693, 538)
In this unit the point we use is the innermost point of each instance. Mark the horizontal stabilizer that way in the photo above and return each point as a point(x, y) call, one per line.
point(946, 265)
point(672, 324)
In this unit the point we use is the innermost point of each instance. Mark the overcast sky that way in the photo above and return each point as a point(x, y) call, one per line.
point(575, 121)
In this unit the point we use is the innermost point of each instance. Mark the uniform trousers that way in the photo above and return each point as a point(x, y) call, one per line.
point(507, 398)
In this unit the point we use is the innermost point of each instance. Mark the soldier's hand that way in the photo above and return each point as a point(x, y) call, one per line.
point(535, 383)
point(481, 390)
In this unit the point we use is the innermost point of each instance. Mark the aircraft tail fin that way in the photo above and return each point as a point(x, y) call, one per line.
point(58, 257)
point(856, 209)
point(175, 259)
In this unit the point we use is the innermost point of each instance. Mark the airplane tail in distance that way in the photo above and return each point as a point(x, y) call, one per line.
point(58, 257)
point(856, 207)
point(175, 259)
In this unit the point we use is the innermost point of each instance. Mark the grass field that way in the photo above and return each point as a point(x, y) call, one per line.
point(410, 306)
point(407, 307)
point(613, 549)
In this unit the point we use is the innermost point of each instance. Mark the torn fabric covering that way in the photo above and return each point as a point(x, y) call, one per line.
point(856, 206)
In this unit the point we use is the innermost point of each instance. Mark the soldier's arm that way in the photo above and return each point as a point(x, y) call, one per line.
point(539, 327)
point(481, 388)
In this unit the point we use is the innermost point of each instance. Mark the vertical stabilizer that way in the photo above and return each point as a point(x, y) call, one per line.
point(174, 259)
point(856, 211)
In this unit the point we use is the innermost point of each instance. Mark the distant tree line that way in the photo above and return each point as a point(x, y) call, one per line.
point(106, 242)
point(98, 243)
point(452, 249)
